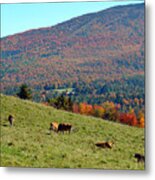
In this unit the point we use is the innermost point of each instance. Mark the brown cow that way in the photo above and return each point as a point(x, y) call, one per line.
point(11, 119)
point(103, 144)
point(54, 126)
point(64, 127)
point(139, 157)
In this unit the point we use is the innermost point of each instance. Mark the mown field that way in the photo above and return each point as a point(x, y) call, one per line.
point(29, 142)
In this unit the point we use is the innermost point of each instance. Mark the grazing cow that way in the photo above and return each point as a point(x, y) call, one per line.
point(139, 157)
point(11, 119)
point(54, 126)
point(103, 144)
point(64, 127)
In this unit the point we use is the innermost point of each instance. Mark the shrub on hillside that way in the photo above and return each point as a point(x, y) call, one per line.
point(25, 92)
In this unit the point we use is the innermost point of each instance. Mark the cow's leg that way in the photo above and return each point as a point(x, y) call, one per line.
point(10, 122)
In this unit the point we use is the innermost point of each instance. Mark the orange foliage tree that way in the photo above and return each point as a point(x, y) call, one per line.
point(141, 119)
point(98, 111)
point(85, 108)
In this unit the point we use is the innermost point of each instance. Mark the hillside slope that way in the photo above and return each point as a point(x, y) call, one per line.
point(29, 144)
point(106, 45)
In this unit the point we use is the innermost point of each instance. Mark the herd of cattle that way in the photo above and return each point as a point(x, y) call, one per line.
point(62, 127)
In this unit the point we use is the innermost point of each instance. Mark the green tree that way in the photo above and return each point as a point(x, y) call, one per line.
point(61, 102)
point(25, 92)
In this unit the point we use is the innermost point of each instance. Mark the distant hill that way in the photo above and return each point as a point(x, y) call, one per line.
point(103, 46)
point(30, 144)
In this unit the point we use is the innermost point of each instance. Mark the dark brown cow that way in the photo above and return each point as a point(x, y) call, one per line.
point(11, 119)
point(103, 144)
point(139, 157)
point(64, 127)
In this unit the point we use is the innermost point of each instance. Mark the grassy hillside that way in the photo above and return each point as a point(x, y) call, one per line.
point(30, 144)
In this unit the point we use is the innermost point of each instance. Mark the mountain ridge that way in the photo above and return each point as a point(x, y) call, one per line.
point(103, 46)
point(88, 14)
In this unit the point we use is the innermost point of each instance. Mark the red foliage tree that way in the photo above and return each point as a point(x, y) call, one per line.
point(128, 118)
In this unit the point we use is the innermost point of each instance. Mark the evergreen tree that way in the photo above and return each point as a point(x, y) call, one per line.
point(25, 92)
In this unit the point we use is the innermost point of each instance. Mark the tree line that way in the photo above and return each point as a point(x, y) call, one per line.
point(107, 110)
